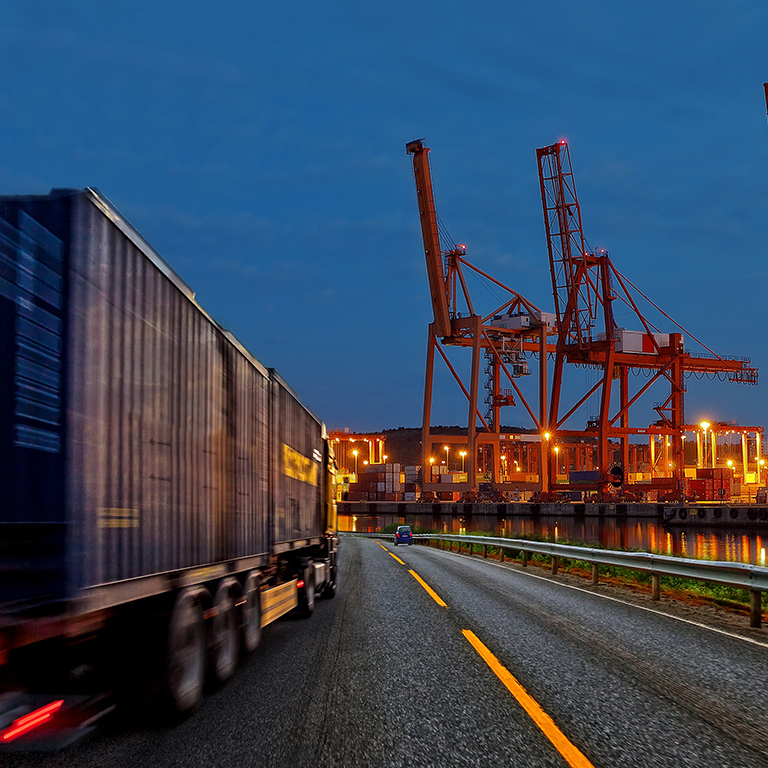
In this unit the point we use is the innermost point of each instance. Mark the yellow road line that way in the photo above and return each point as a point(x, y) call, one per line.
point(429, 589)
point(396, 558)
point(573, 756)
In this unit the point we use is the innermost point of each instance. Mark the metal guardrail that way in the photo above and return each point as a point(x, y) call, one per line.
point(740, 575)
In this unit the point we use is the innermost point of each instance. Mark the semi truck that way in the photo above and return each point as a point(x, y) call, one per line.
point(165, 496)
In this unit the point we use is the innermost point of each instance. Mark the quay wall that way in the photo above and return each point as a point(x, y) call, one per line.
point(430, 514)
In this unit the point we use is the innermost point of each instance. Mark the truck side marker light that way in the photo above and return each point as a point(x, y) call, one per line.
point(32, 720)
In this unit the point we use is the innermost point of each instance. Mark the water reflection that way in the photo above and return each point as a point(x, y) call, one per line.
point(739, 545)
point(734, 545)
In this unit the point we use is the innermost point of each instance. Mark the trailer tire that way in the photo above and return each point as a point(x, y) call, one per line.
point(225, 635)
point(251, 617)
point(306, 606)
point(330, 589)
point(185, 653)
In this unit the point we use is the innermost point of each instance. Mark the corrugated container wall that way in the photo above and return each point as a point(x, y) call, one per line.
point(128, 419)
point(33, 519)
point(297, 452)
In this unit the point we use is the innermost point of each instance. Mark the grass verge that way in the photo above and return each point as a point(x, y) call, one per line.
point(686, 590)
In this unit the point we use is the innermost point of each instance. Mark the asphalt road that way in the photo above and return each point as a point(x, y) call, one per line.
point(383, 675)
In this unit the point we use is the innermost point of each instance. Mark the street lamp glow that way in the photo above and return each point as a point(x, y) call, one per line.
point(446, 449)
point(354, 453)
point(462, 454)
point(704, 425)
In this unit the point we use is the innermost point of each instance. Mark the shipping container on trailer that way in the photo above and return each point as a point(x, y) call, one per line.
point(147, 453)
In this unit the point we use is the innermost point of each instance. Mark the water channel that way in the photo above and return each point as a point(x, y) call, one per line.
point(741, 545)
point(745, 544)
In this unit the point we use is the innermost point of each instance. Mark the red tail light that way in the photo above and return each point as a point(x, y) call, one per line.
point(299, 583)
point(32, 720)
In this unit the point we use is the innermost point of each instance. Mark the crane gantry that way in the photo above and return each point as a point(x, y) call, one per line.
point(505, 335)
point(585, 286)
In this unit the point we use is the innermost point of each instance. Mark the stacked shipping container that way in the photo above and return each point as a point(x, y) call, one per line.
point(134, 431)
point(410, 483)
point(712, 484)
point(378, 482)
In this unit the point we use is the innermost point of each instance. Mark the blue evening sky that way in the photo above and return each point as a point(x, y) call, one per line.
point(260, 148)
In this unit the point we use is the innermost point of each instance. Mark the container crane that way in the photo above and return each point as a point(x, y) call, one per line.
point(585, 286)
point(515, 327)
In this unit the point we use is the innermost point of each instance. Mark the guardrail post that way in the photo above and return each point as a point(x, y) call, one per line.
point(655, 586)
point(658, 565)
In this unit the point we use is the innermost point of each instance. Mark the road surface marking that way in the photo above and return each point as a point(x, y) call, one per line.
point(396, 558)
point(573, 756)
point(429, 589)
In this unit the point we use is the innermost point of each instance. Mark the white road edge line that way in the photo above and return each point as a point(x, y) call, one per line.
point(623, 602)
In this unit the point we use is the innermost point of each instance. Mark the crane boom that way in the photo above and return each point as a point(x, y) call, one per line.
point(765, 88)
point(428, 216)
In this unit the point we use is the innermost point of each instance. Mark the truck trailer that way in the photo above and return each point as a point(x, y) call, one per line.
point(165, 496)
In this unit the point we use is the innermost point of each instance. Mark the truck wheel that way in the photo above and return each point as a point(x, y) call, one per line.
point(224, 647)
point(251, 630)
point(330, 590)
point(306, 606)
point(185, 654)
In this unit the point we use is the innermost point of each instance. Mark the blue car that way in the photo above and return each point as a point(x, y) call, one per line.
point(403, 535)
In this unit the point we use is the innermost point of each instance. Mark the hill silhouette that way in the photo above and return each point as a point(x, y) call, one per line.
point(404, 443)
